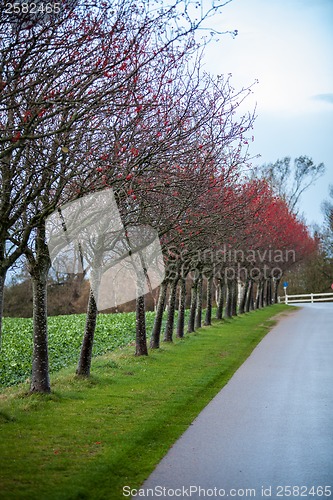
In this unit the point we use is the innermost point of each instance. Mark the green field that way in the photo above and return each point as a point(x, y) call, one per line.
point(90, 438)
point(65, 337)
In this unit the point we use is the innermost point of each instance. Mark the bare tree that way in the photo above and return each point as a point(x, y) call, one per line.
point(290, 180)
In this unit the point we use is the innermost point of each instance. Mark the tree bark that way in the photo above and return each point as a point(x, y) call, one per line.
point(220, 302)
point(242, 305)
point(39, 267)
point(84, 364)
point(155, 337)
point(216, 293)
point(263, 294)
point(140, 320)
point(228, 307)
point(181, 308)
point(276, 287)
point(249, 297)
point(234, 299)
point(208, 317)
point(40, 380)
point(168, 334)
point(141, 339)
point(258, 295)
point(252, 296)
point(198, 318)
point(269, 292)
point(193, 306)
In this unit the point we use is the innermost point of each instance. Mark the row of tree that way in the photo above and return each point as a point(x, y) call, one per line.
point(112, 96)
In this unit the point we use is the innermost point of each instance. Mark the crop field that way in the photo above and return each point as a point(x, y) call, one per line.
point(65, 336)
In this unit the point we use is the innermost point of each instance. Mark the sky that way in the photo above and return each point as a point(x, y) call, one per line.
point(288, 46)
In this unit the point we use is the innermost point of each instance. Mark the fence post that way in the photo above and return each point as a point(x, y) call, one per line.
point(311, 298)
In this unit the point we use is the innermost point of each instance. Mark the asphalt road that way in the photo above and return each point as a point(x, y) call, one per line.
point(270, 428)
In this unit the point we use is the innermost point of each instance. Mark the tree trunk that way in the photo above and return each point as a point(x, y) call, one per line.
point(193, 306)
point(249, 296)
point(276, 287)
point(252, 296)
point(39, 267)
point(155, 337)
point(220, 302)
point(198, 317)
point(234, 299)
point(242, 305)
point(141, 339)
point(181, 308)
point(228, 307)
point(171, 312)
point(217, 293)
point(2, 289)
point(40, 380)
point(140, 320)
point(208, 317)
point(263, 294)
point(258, 295)
point(269, 292)
point(84, 364)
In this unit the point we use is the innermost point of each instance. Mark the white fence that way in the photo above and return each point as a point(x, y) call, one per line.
point(307, 297)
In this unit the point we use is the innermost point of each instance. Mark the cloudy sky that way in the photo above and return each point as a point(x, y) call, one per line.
point(288, 47)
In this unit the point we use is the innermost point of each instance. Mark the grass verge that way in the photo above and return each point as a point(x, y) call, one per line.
point(89, 438)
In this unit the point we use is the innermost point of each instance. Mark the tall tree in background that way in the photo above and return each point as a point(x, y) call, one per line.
point(290, 180)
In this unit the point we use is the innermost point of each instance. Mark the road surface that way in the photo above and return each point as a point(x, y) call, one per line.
point(269, 432)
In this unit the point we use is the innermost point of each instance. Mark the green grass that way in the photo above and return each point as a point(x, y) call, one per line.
point(89, 438)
